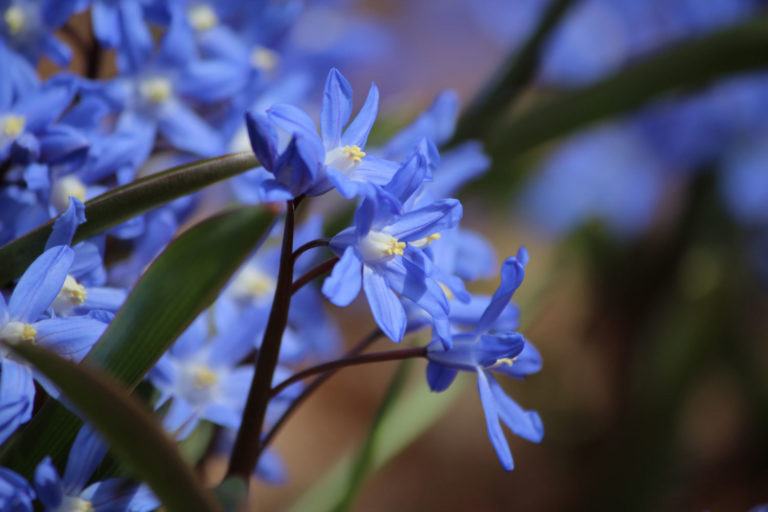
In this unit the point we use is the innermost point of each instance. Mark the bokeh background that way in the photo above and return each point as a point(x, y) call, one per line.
point(646, 290)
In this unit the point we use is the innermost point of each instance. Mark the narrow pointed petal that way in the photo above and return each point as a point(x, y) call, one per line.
point(343, 285)
point(65, 226)
point(495, 433)
point(70, 337)
point(357, 132)
point(48, 484)
point(526, 424)
point(434, 218)
point(512, 273)
point(336, 109)
point(40, 284)
point(17, 394)
point(386, 307)
point(263, 137)
point(86, 454)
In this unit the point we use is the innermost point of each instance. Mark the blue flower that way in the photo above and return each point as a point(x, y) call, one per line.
point(335, 159)
point(27, 26)
point(16, 495)
point(482, 352)
point(72, 492)
point(382, 253)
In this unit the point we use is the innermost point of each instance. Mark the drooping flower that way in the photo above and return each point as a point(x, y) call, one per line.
point(482, 350)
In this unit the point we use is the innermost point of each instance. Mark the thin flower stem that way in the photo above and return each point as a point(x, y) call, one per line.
point(245, 454)
point(316, 383)
point(314, 272)
point(378, 357)
point(320, 242)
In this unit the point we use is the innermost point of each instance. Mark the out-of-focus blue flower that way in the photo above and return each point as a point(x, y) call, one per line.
point(383, 253)
point(23, 318)
point(16, 495)
point(745, 182)
point(608, 174)
point(72, 492)
point(27, 26)
point(483, 350)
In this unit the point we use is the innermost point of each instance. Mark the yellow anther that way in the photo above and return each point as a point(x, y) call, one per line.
point(423, 242)
point(15, 19)
point(394, 247)
point(156, 90)
point(75, 504)
point(447, 291)
point(252, 282)
point(13, 125)
point(505, 360)
point(73, 291)
point(355, 154)
point(202, 17)
point(204, 377)
point(264, 58)
point(14, 332)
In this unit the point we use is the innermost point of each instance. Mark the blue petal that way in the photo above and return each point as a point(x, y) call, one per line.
point(48, 484)
point(512, 273)
point(117, 495)
point(336, 109)
point(439, 377)
point(357, 132)
point(438, 216)
point(375, 170)
point(104, 298)
point(343, 285)
point(492, 421)
point(105, 20)
point(409, 177)
point(210, 80)
point(40, 284)
point(493, 347)
point(45, 105)
point(263, 137)
point(17, 394)
point(65, 226)
point(386, 307)
point(297, 167)
point(293, 120)
point(186, 130)
point(526, 424)
point(70, 337)
point(85, 455)
point(181, 418)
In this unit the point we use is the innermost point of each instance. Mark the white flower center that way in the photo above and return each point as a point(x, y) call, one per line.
point(197, 382)
point(12, 125)
point(74, 504)
point(377, 246)
point(71, 294)
point(264, 59)
point(156, 90)
point(253, 283)
point(16, 19)
point(15, 332)
point(202, 17)
point(64, 188)
point(344, 158)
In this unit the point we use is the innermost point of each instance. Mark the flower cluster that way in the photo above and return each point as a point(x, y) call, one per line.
point(187, 72)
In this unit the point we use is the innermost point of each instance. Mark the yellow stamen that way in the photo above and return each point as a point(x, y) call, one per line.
point(13, 125)
point(202, 17)
point(505, 360)
point(354, 153)
point(447, 291)
point(14, 332)
point(394, 247)
point(204, 377)
point(264, 58)
point(73, 291)
point(156, 90)
point(423, 242)
point(15, 19)
point(64, 188)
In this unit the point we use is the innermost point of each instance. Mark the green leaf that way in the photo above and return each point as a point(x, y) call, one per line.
point(123, 203)
point(232, 494)
point(416, 410)
point(678, 68)
point(128, 428)
point(511, 79)
point(184, 280)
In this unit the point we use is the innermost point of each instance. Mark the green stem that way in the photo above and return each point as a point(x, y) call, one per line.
point(245, 454)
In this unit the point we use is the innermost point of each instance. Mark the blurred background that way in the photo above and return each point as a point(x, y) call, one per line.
point(647, 287)
point(646, 291)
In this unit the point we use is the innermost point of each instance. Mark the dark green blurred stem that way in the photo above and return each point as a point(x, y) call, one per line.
point(317, 271)
point(245, 454)
point(316, 383)
point(514, 75)
point(378, 357)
